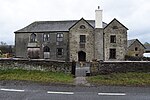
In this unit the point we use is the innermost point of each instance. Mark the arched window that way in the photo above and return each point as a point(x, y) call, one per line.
point(32, 37)
point(46, 37)
point(46, 49)
point(82, 27)
point(46, 52)
point(59, 37)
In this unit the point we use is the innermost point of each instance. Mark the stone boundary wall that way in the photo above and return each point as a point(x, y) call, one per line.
point(96, 68)
point(36, 64)
point(108, 67)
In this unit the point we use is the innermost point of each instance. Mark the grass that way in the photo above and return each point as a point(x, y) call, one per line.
point(35, 76)
point(125, 79)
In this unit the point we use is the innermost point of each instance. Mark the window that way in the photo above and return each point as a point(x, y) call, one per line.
point(33, 37)
point(59, 51)
point(82, 39)
point(136, 49)
point(46, 52)
point(46, 37)
point(59, 37)
point(112, 54)
point(82, 27)
point(46, 49)
point(113, 39)
point(136, 55)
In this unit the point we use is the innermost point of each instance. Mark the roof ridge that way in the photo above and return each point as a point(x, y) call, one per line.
point(60, 20)
point(56, 25)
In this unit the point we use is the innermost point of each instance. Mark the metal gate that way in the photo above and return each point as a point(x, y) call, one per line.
point(73, 70)
point(82, 69)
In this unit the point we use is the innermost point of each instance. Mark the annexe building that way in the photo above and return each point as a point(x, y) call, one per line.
point(79, 40)
point(135, 48)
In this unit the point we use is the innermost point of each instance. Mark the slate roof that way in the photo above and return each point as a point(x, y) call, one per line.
point(130, 42)
point(147, 48)
point(118, 22)
point(52, 26)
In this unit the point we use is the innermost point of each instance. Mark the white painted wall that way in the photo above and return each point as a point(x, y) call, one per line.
point(146, 54)
point(98, 18)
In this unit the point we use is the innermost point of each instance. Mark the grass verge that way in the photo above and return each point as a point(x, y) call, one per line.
point(125, 79)
point(36, 76)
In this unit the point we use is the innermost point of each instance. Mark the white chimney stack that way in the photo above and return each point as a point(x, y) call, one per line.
point(98, 18)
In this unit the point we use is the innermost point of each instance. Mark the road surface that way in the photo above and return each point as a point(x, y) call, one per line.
point(66, 92)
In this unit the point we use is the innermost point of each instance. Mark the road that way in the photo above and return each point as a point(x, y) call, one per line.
point(64, 92)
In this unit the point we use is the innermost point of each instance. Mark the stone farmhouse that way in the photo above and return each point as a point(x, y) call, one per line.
point(79, 40)
point(135, 48)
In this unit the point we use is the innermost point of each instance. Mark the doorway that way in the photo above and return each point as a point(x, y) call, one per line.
point(81, 56)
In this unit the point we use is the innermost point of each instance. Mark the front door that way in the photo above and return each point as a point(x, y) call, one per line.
point(81, 56)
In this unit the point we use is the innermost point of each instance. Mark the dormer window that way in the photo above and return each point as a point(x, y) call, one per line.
point(82, 27)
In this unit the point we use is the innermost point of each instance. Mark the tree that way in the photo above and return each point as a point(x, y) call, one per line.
point(3, 43)
point(4, 48)
point(146, 44)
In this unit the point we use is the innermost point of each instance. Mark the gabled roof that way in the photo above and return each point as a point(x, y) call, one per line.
point(52, 26)
point(118, 22)
point(79, 21)
point(130, 42)
point(147, 46)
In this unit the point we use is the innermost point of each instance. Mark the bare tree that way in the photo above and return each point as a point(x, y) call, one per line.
point(3, 43)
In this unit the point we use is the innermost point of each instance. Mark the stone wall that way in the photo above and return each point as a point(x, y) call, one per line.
point(22, 40)
point(43, 65)
point(140, 49)
point(108, 67)
point(74, 41)
point(99, 47)
point(117, 29)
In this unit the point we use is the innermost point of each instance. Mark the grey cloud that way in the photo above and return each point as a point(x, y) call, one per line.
point(16, 14)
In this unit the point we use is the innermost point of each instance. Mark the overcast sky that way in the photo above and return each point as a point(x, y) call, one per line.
point(16, 14)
